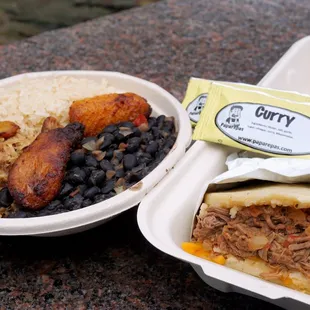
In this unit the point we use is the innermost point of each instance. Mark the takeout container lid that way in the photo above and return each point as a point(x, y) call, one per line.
point(161, 102)
point(165, 216)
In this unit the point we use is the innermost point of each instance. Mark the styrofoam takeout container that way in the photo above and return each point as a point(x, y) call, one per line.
point(165, 215)
point(75, 221)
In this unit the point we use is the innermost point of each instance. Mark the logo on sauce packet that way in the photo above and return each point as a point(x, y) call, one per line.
point(196, 106)
point(234, 115)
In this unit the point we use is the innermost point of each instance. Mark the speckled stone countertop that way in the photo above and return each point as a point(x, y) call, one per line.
point(113, 266)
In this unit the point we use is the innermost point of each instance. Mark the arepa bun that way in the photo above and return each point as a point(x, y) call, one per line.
point(267, 194)
point(256, 267)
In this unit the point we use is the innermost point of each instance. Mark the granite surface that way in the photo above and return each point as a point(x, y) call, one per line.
point(113, 266)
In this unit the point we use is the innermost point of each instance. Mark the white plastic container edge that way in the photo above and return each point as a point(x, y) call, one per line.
point(165, 215)
point(74, 221)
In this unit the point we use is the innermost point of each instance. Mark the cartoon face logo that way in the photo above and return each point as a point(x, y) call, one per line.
point(201, 104)
point(195, 107)
point(234, 115)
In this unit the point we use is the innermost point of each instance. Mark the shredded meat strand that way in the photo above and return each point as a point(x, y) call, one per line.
point(288, 243)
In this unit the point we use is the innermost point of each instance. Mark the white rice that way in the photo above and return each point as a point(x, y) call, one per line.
point(28, 102)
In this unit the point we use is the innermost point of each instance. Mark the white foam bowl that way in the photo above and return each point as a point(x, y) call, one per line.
point(165, 215)
point(75, 221)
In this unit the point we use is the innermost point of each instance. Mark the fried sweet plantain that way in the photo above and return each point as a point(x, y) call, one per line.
point(98, 112)
point(8, 129)
point(36, 176)
point(50, 123)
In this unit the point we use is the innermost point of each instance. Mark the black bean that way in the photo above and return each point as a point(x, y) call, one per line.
point(146, 137)
point(42, 212)
point(155, 132)
point(73, 203)
point(166, 150)
point(119, 173)
point(133, 177)
point(118, 155)
point(146, 155)
point(66, 190)
point(105, 165)
point(88, 139)
point(152, 147)
point(52, 205)
point(82, 188)
point(59, 209)
point(66, 203)
point(139, 168)
point(107, 135)
point(139, 153)
point(109, 154)
point(110, 129)
point(108, 187)
point(170, 142)
point(76, 176)
point(144, 158)
point(86, 203)
point(110, 195)
point(5, 198)
point(92, 192)
point(88, 170)
point(91, 161)
point(168, 126)
point(96, 178)
point(78, 158)
point(160, 121)
point(144, 172)
point(134, 140)
point(99, 198)
point(130, 161)
point(133, 144)
point(120, 166)
point(18, 214)
point(143, 147)
point(164, 134)
point(126, 124)
point(114, 161)
point(119, 137)
point(135, 132)
point(151, 122)
point(151, 167)
point(106, 143)
point(160, 156)
point(160, 142)
point(113, 147)
point(78, 201)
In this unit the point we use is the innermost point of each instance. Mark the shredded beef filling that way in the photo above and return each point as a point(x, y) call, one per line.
point(279, 236)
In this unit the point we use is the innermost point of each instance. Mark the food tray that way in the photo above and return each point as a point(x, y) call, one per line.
point(75, 221)
point(165, 215)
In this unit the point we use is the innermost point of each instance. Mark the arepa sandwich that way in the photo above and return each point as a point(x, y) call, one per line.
point(261, 230)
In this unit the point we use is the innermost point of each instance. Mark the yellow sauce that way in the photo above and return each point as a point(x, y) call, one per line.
point(196, 248)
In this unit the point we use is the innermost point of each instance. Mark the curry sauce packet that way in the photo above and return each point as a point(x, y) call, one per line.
point(195, 98)
point(198, 91)
point(255, 119)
